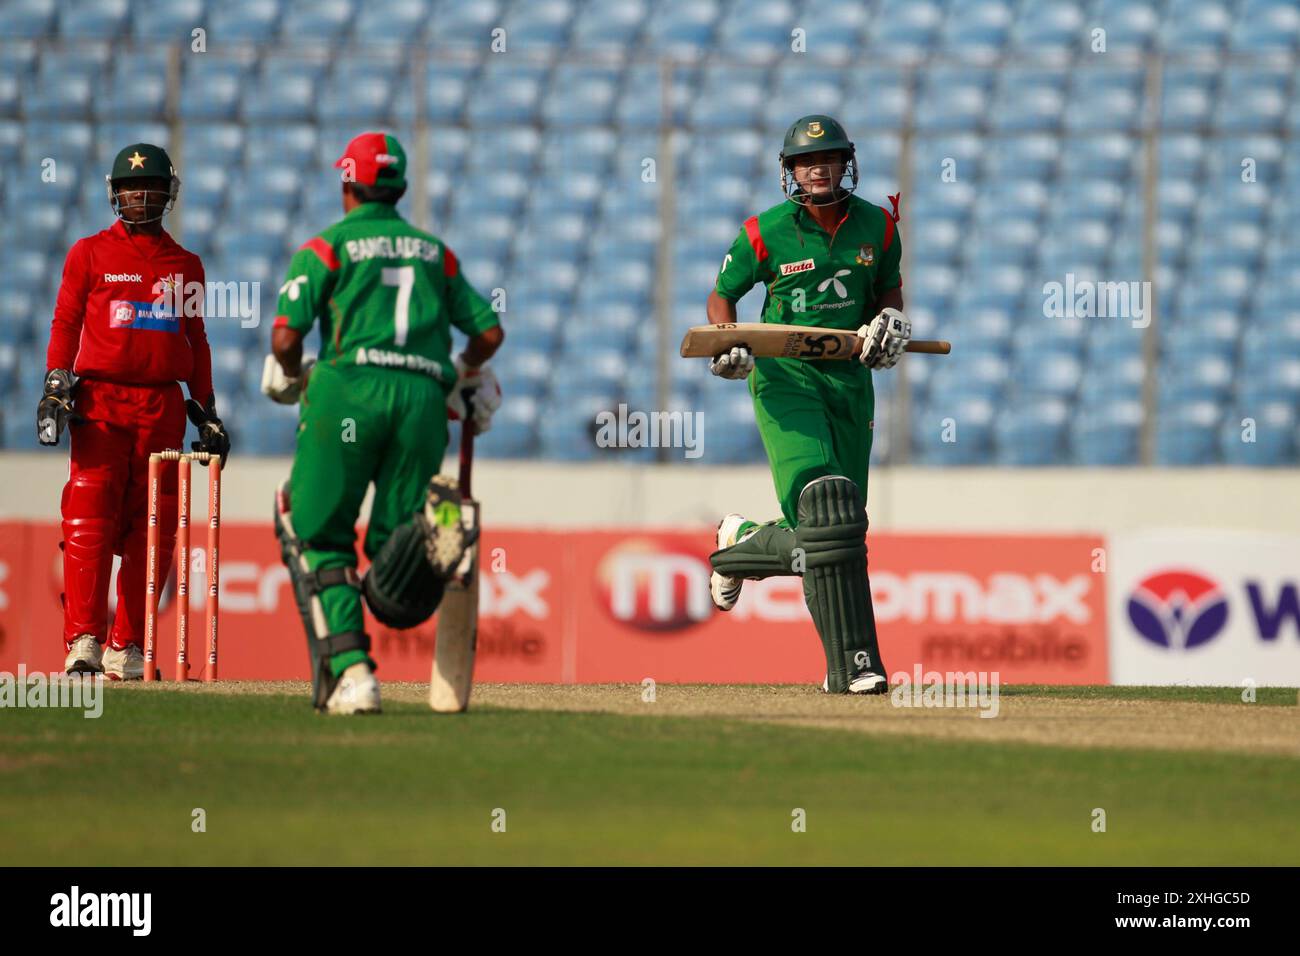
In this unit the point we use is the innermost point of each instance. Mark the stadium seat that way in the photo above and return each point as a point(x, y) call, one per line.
point(1195, 26)
point(244, 20)
point(1261, 435)
point(1033, 434)
point(1130, 25)
point(1265, 27)
point(463, 22)
point(320, 23)
point(27, 18)
point(211, 87)
point(96, 20)
point(541, 24)
point(1186, 433)
point(507, 93)
point(1108, 435)
point(609, 25)
point(169, 20)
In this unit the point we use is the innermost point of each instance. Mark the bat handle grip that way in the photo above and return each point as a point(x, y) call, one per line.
point(467, 430)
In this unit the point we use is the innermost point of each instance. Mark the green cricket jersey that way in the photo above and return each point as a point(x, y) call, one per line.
point(813, 277)
point(386, 294)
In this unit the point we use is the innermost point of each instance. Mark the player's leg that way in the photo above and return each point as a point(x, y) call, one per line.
point(792, 423)
point(836, 585)
point(417, 533)
point(339, 436)
point(832, 539)
point(157, 423)
point(92, 500)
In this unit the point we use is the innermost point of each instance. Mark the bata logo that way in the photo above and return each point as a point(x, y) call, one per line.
point(790, 268)
point(654, 585)
point(123, 277)
point(385, 159)
point(1005, 598)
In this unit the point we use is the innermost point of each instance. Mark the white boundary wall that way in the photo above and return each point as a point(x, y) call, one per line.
point(547, 495)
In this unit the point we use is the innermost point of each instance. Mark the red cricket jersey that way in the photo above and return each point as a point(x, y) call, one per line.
point(107, 321)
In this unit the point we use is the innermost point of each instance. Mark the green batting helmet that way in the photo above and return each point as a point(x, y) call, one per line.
point(142, 161)
point(817, 133)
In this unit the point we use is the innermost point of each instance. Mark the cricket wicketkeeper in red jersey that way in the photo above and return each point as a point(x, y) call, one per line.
point(122, 338)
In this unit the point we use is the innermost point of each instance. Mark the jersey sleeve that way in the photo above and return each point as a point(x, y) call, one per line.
point(888, 276)
point(70, 308)
point(305, 293)
point(470, 312)
point(200, 381)
point(739, 271)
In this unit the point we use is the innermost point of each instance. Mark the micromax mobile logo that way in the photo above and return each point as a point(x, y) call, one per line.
point(655, 586)
point(1178, 609)
point(1004, 598)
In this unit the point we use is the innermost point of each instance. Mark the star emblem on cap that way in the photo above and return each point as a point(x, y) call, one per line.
point(136, 160)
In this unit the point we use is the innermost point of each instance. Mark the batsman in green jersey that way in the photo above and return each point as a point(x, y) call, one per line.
point(825, 258)
point(373, 409)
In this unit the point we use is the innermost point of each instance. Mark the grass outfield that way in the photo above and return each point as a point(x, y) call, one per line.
point(281, 785)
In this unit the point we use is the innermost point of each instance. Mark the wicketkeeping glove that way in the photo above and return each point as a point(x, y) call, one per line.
point(884, 339)
point(482, 382)
point(735, 364)
point(54, 410)
point(212, 434)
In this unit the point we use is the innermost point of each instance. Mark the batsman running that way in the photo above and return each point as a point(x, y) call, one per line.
point(826, 258)
point(373, 408)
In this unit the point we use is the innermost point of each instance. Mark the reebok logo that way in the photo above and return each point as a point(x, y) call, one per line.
point(803, 265)
point(123, 277)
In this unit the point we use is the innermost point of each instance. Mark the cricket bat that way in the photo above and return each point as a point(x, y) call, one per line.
point(769, 340)
point(457, 637)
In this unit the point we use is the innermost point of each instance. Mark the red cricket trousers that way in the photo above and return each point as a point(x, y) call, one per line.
point(106, 504)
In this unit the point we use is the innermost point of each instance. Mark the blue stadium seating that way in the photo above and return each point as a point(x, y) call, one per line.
point(537, 179)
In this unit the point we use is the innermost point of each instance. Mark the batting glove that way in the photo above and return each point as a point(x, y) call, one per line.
point(282, 388)
point(884, 339)
point(483, 390)
point(737, 363)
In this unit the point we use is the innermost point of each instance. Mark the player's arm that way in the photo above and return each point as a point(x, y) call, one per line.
point(200, 380)
point(473, 315)
point(303, 297)
point(886, 336)
point(54, 409)
point(739, 274)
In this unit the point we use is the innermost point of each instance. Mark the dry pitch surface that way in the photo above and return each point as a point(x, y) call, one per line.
point(1090, 720)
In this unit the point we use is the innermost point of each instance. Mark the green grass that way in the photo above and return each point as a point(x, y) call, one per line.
point(281, 785)
point(1264, 696)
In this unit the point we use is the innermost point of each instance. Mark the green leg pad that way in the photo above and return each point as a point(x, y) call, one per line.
point(766, 553)
point(832, 535)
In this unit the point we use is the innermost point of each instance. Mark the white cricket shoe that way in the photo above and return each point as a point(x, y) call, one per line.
point(86, 656)
point(357, 692)
point(127, 664)
point(867, 683)
point(725, 591)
